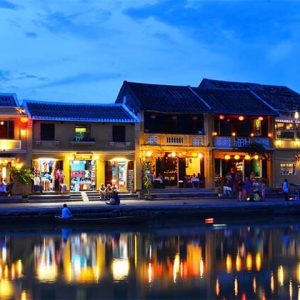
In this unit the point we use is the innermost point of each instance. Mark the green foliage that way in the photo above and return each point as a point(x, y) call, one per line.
point(21, 175)
point(147, 183)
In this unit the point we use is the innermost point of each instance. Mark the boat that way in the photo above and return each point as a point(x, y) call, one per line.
point(101, 220)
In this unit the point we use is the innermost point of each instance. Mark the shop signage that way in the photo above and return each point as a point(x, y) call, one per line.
point(83, 156)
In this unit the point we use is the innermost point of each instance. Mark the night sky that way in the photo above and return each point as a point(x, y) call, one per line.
point(82, 50)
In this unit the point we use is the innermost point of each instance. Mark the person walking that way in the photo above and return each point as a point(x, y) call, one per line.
point(285, 189)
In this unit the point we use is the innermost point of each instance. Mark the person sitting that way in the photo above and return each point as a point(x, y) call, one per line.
point(66, 212)
point(108, 192)
point(114, 187)
point(2, 187)
point(114, 200)
point(102, 192)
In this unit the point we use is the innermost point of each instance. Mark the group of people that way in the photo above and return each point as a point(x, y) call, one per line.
point(110, 193)
point(249, 189)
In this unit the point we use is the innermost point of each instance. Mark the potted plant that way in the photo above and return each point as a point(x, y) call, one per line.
point(21, 178)
point(147, 184)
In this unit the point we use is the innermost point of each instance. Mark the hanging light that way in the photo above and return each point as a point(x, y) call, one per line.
point(247, 157)
point(296, 115)
point(200, 155)
point(214, 133)
point(260, 118)
point(241, 118)
point(233, 134)
point(227, 156)
point(256, 156)
point(236, 157)
point(24, 119)
point(270, 134)
point(148, 153)
point(251, 134)
point(221, 117)
point(173, 154)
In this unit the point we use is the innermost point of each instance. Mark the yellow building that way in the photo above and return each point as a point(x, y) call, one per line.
point(77, 147)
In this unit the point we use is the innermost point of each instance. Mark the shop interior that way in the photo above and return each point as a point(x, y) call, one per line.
point(83, 175)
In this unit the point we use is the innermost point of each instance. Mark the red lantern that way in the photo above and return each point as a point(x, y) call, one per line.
point(24, 119)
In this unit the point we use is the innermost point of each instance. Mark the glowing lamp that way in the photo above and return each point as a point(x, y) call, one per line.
point(241, 118)
point(148, 153)
point(209, 220)
point(256, 157)
point(173, 154)
point(233, 134)
point(221, 117)
point(214, 133)
point(247, 157)
point(270, 134)
point(296, 115)
point(260, 118)
point(24, 119)
point(227, 156)
point(236, 157)
point(200, 155)
point(252, 134)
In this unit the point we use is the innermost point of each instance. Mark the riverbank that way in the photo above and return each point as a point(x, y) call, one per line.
point(153, 208)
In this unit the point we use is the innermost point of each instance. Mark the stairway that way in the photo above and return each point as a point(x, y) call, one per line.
point(94, 196)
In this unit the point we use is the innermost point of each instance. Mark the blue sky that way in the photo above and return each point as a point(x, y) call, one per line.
point(82, 50)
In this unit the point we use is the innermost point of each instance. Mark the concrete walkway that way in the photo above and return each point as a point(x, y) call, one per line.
point(172, 207)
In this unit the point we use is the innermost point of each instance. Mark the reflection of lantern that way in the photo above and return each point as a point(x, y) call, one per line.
point(24, 119)
point(227, 156)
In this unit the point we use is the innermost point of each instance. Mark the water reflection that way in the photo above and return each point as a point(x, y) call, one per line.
point(248, 262)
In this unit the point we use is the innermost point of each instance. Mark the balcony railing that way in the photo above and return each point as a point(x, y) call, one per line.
point(228, 142)
point(10, 145)
point(42, 143)
point(287, 144)
point(176, 140)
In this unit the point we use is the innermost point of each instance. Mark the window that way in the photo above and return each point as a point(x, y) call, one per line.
point(82, 133)
point(287, 169)
point(118, 133)
point(47, 132)
point(6, 129)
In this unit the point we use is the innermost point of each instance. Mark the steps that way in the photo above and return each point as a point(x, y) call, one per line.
point(94, 196)
point(170, 193)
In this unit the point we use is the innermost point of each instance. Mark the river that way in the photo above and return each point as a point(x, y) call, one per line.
point(170, 259)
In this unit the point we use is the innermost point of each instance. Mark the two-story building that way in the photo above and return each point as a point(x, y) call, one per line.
point(286, 138)
point(171, 138)
point(82, 145)
point(15, 135)
point(239, 121)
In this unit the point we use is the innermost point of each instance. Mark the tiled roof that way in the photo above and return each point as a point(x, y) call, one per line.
point(8, 100)
point(59, 111)
point(163, 98)
point(234, 101)
point(280, 98)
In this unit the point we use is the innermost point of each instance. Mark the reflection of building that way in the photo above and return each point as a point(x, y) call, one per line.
point(82, 146)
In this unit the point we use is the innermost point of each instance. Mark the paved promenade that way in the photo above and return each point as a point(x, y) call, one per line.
point(171, 207)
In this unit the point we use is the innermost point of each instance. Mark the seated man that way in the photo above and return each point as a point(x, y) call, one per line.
point(102, 192)
point(114, 200)
point(65, 212)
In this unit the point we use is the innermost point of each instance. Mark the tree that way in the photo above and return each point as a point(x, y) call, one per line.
point(21, 178)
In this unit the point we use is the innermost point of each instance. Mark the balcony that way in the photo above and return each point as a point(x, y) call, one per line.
point(228, 142)
point(50, 144)
point(83, 142)
point(7, 145)
point(119, 145)
point(176, 140)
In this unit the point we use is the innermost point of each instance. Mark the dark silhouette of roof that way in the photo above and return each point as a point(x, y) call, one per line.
point(162, 98)
point(58, 111)
point(8, 100)
point(281, 98)
point(234, 101)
